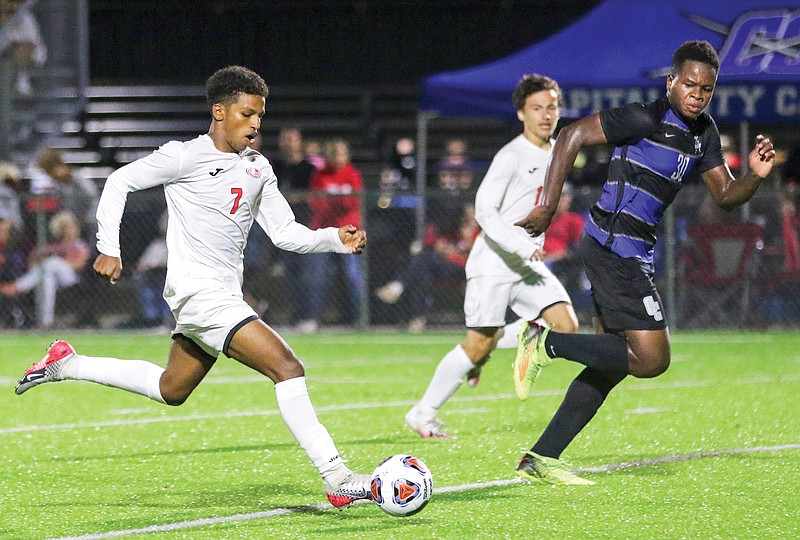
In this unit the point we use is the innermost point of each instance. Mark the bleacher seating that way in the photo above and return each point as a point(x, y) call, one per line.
point(122, 123)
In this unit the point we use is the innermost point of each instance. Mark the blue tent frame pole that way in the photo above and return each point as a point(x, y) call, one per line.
point(744, 150)
point(423, 119)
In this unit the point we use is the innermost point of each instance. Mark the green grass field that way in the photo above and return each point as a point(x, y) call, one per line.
point(708, 450)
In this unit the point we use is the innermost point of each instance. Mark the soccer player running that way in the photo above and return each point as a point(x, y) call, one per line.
point(215, 186)
point(504, 268)
point(657, 146)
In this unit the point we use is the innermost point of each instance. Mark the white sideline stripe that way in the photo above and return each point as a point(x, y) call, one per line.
point(357, 406)
point(675, 458)
point(268, 412)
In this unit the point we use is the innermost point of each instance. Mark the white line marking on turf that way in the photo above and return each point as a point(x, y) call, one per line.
point(355, 406)
point(675, 458)
point(648, 410)
point(239, 414)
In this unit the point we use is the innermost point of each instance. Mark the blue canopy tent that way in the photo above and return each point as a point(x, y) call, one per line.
point(621, 52)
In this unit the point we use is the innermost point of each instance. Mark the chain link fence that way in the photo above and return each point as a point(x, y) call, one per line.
point(735, 270)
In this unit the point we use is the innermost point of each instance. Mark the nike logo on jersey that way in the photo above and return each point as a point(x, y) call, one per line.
point(215, 173)
point(668, 135)
point(533, 170)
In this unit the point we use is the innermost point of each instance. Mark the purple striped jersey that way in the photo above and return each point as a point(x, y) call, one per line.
point(655, 152)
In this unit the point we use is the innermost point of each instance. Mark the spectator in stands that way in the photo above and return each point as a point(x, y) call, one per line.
point(148, 279)
point(446, 205)
point(398, 176)
point(12, 266)
point(561, 245)
point(313, 152)
point(57, 266)
point(23, 42)
point(10, 185)
point(564, 232)
point(404, 160)
point(51, 175)
point(294, 174)
point(456, 165)
point(443, 256)
point(335, 201)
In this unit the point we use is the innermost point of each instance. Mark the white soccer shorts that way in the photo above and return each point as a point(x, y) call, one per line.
point(487, 298)
point(207, 310)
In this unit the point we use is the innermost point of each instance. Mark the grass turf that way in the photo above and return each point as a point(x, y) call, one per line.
point(83, 460)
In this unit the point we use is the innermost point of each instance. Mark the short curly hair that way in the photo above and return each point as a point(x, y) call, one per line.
point(698, 51)
point(225, 85)
point(530, 84)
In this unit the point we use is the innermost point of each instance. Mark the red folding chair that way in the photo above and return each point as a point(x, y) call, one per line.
point(714, 285)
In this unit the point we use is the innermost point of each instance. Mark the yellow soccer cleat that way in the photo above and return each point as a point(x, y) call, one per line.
point(531, 357)
point(547, 470)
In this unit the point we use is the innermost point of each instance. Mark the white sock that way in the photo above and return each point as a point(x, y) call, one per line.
point(510, 333)
point(298, 413)
point(135, 376)
point(446, 380)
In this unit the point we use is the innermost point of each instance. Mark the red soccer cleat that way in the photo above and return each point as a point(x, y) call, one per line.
point(48, 368)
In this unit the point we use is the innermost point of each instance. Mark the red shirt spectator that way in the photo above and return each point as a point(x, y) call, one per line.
point(341, 183)
point(564, 231)
point(454, 248)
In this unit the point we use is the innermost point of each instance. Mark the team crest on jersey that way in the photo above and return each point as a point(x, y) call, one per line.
point(697, 146)
point(252, 171)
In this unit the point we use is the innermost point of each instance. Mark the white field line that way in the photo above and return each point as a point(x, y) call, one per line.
point(356, 406)
point(674, 458)
point(240, 414)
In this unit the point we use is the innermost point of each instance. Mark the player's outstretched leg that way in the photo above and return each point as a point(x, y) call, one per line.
point(547, 470)
point(48, 369)
point(342, 486)
point(531, 357)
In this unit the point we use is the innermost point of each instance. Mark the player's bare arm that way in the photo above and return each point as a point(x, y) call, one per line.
point(572, 138)
point(354, 239)
point(727, 192)
point(108, 267)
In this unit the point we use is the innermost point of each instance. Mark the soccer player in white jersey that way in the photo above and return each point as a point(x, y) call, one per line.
point(215, 186)
point(504, 268)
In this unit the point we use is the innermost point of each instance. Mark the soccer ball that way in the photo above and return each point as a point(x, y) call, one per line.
point(402, 485)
